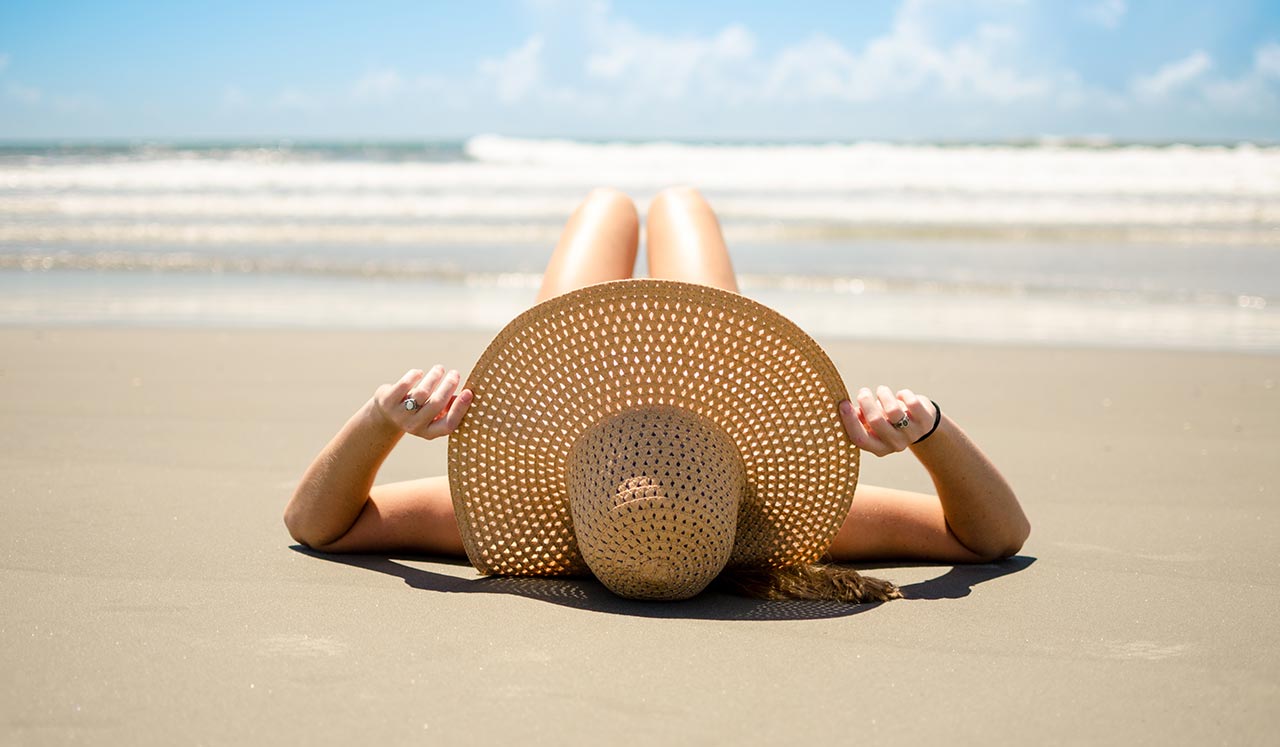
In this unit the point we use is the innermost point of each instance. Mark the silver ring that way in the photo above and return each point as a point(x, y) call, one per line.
point(906, 420)
point(411, 404)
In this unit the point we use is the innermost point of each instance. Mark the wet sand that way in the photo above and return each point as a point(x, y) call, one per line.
point(152, 595)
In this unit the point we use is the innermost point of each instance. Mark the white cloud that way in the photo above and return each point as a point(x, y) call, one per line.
point(233, 98)
point(907, 61)
point(977, 65)
point(1241, 93)
point(431, 83)
point(1105, 13)
point(1255, 91)
point(75, 103)
point(814, 68)
point(72, 103)
point(632, 66)
point(655, 66)
point(517, 74)
point(296, 100)
point(1266, 60)
point(942, 66)
point(378, 85)
point(26, 94)
point(589, 61)
point(1173, 76)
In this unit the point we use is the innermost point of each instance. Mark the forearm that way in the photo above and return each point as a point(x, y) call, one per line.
point(335, 487)
point(980, 507)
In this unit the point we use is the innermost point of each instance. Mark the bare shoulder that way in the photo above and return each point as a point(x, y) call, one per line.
point(889, 524)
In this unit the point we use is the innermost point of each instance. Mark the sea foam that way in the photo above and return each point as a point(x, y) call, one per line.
point(767, 191)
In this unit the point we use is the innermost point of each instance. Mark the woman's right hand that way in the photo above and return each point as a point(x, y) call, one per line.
point(439, 410)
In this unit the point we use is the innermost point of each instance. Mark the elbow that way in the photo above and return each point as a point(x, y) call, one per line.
point(295, 520)
point(1024, 531)
point(1005, 546)
point(1018, 536)
point(312, 522)
point(996, 543)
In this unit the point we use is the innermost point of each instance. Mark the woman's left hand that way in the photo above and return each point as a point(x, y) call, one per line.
point(883, 423)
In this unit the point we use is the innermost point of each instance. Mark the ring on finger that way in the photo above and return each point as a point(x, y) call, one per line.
point(906, 420)
point(411, 404)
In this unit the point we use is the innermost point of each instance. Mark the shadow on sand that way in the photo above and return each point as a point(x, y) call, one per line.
point(589, 594)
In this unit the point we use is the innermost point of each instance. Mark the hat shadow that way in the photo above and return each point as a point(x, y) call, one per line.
point(589, 594)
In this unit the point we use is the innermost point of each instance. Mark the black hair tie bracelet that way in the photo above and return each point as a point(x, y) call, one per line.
point(937, 418)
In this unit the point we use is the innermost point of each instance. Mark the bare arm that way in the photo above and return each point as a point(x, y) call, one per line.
point(335, 506)
point(975, 515)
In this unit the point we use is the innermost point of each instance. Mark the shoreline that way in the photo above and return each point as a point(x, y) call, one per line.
point(849, 309)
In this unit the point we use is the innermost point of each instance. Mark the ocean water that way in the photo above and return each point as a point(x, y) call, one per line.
point(1174, 246)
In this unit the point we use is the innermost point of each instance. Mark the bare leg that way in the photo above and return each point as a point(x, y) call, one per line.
point(599, 243)
point(685, 242)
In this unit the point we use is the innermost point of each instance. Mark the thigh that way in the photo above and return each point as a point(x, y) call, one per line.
point(685, 241)
point(599, 243)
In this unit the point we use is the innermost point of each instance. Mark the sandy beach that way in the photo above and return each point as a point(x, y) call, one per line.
point(152, 594)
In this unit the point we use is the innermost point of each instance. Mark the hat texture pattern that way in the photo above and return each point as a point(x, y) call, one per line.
point(654, 494)
point(580, 358)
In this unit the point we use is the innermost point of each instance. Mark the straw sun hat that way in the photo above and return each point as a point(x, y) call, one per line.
point(652, 433)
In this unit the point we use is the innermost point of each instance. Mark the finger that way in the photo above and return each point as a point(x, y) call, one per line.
point(452, 417)
point(422, 390)
point(439, 397)
point(401, 388)
point(920, 409)
point(894, 410)
point(877, 423)
point(871, 407)
point(855, 426)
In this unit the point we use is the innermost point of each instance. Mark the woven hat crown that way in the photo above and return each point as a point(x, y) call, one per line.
point(654, 493)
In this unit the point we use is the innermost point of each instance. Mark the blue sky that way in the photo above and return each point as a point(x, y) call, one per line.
point(913, 69)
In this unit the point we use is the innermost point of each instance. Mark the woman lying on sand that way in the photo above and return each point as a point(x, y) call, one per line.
point(509, 520)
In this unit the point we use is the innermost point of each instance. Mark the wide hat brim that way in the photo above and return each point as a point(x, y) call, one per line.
point(572, 360)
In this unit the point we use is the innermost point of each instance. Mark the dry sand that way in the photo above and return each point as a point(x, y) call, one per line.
point(152, 596)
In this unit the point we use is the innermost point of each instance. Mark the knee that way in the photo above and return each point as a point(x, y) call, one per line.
point(614, 205)
point(614, 199)
point(679, 195)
